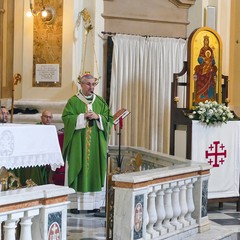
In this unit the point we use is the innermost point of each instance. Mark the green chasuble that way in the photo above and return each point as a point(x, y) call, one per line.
point(85, 149)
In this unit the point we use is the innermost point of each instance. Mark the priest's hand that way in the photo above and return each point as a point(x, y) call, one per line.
point(91, 115)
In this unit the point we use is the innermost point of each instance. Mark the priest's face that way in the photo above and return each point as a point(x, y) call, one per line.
point(88, 86)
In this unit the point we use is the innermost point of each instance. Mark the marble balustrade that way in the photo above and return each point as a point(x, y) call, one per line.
point(166, 199)
point(36, 213)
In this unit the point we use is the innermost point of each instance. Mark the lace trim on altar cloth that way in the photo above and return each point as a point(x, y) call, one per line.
point(52, 159)
point(29, 146)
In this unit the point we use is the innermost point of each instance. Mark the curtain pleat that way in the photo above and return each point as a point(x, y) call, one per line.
point(142, 72)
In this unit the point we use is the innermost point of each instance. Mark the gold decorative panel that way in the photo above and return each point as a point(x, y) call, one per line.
point(205, 66)
point(47, 45)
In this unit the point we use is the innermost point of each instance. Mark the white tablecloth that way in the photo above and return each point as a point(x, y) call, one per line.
point(25, 145)
point(219, 146)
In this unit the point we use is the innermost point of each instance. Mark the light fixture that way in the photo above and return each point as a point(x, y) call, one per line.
point(48, 14)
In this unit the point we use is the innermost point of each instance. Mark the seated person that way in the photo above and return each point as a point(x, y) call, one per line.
point(41, 174)
point(56, 177)
point(3, 114)
point(46, 118)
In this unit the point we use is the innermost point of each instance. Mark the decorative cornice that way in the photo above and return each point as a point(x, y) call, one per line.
point(183, 3)
point(140, 19)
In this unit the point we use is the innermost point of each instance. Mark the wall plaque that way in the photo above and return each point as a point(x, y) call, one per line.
point(47, 73)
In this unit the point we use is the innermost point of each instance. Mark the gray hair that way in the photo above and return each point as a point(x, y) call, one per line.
point(83, 78)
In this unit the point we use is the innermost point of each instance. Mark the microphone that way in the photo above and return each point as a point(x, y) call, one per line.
point(91, 122)
point(103, 103)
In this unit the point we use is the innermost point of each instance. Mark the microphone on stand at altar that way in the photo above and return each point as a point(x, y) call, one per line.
point(91, 122)
point(104, 214)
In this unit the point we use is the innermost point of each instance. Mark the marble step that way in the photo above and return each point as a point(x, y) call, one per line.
point(38, 104)
point(56, 107)
point(41, 105)
point(216, 232)
point(36, 118)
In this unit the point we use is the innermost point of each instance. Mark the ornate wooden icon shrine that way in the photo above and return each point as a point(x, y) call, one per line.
point(204, 81)
point(218, 144)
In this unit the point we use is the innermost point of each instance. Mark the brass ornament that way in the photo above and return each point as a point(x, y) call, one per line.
point(88, 26)
point(176, 99)
point(227, 100)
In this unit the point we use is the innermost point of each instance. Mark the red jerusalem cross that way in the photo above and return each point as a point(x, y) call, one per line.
point(216, 154)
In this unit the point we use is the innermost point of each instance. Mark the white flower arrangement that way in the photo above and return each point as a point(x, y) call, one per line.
point(211, 112)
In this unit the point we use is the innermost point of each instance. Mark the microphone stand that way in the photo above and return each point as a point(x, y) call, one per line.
point(105, 213)
point(119, 158)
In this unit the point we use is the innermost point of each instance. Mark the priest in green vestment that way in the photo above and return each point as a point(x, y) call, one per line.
point(87, 122)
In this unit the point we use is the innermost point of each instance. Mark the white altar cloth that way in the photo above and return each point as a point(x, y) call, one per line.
point(25, 145)
point(219, 146)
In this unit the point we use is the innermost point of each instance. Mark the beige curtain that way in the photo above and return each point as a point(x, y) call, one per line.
point(142, 71)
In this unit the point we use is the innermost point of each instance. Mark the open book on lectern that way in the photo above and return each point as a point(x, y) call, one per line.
point(123, 112)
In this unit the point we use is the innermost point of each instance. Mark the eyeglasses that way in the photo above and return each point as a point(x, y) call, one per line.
point(90, 84)
point(45, 116)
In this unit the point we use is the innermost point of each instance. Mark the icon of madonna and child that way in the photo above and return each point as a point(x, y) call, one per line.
point(205, 74)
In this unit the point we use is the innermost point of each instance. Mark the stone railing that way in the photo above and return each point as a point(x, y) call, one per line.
point(169, 200)
point(36, 213)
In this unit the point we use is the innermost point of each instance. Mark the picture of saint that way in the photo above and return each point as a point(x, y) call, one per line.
point(205, 74)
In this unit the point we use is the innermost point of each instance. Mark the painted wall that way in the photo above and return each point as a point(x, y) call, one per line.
point(71, 52)
point(135, 17)
point(234, 60)
point(23, 55)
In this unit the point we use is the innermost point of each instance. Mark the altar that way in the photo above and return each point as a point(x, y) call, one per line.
point(40, 210)
point(216, 144)
point(25, 145)
point(219, 146)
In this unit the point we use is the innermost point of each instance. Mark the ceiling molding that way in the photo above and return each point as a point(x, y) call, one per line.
point(183, 3)
point(132, 18)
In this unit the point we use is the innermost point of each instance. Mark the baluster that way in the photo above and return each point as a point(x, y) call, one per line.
point(152, 214)
point(26, 233)
point(11, 224)
point(26, 224)
point(10, 229)
point(148, 235)
point(160, 212)
point(168, 209)
point(190, 202)
point(2, 219)
point(183, 204)
point(176, 208)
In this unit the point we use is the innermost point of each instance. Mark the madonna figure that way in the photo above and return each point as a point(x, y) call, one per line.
point(205, 74)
